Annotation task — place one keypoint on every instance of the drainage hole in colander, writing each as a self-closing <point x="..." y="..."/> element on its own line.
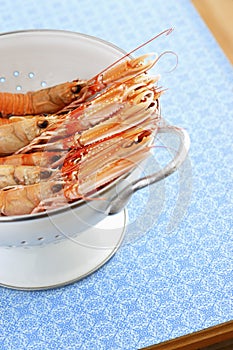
<point x="57" y="236"/>
<point x="16" y="73"/>
<point x="23" y="242"/>
<point x="40" y="238"/>
<point x="31" y="75"/>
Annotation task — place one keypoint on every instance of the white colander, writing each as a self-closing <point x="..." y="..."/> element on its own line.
<point x="52" y="249"/>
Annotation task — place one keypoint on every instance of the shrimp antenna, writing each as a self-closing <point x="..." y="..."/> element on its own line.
<point x="167" y="53"/>
<point x="166" y="32"/>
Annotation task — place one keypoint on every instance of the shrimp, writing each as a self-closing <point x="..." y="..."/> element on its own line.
<point x="119" y="71"/>
<point x="21" y="200"/>
<point x="60" y="97"/>
<point x="67" y="96"/>
<point x="48" y="100"/>
<point x="11" y="175"/>
<point x="16" y="135"/>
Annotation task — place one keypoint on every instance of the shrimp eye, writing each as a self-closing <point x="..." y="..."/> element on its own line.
<point x="55" y="158"/>
<point x="56" y="188"/>
<point x="45" y="174"/>
<point x="151" y="105"/>
<point x="77" y="88"/>
<point x="43" y="124"/>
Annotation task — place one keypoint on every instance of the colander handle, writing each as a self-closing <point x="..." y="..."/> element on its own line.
<point x="119" y="201"/>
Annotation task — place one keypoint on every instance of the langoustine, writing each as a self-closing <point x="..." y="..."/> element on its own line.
<point x="48" y="100"/>
<point x="56" y="98"/>
<point x="20" y="133"/>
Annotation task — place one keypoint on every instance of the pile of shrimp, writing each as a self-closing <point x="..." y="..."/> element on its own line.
<point x="65" y="142"/>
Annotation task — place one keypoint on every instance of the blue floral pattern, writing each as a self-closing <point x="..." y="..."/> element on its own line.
<point x="174" y="272"/>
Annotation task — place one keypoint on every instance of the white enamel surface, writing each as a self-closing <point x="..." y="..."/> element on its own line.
<point x="53" y="265"/>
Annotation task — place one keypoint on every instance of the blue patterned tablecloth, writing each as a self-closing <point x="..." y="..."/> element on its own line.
<point x="174" y="273"/>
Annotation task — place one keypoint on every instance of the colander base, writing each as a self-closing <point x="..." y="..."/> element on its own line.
<point x="65" y="262"/>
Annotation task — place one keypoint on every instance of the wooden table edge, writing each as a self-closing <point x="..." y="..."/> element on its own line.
<point x="197" y="340"/>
